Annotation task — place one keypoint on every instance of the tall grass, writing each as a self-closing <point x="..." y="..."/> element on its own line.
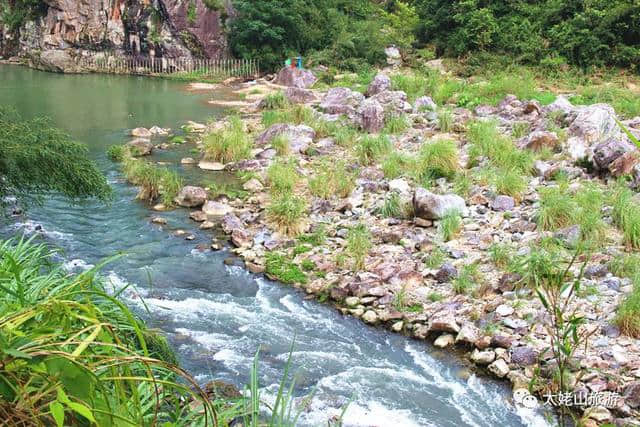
<point x="626" y="214"/>
<point x="288" y="214"/>
<point x="438" y="159"/>
<point x="156" y="183"/>
<point x="331" y="178"/>
<point x="282" y="177"/>
<point x="371" y="148"/>
<point x="231" y="144"/>
<point x="358" y="245"/>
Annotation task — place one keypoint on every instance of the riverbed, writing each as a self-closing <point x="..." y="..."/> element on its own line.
<point x="217" y="316"/>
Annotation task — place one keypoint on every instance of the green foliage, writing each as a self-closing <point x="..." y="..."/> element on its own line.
<point x="117" y="153"/>
<point x="358" y="245"/>
<point x="232" y="190"/>
<point x="156" y="183"/>
<point x="231" y="144"/>
<point x="510" y="182"/>
<point x="282" y="145"/>
<point x="626" y="215"/>
<point x="282" y="176"/>
<point x="288" y="214"/>
<point x="72" y="354"/>
<point x="283" y="269"/>
<point x="435" y="259"/>
<point x="392" y="207"/>
<point x="467" y="279"/>
<point x="331" y="178"/>
<point x="274" y="101"/>
<point x="445" y="120"/>
<point x="371" y="148"/>
<point x="438" y="159"/>
<point x="395" y="165"/>
<point x="395" y="124"/>
<point x="628" y="314"/>
<point x="501" y="254"/>
<point x="315" y="238"/>
<point x="36" y="158"/>
<point x="450" y="225"/>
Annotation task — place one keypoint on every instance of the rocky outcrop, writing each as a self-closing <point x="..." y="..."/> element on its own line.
<point x="295" y="77"/>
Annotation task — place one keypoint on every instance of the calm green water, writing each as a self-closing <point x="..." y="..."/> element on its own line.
<point x="217" y="316"/>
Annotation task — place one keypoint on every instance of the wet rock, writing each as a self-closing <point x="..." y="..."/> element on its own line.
<point x="159" y="220"/>
<point x="140" y="147"/>
<point x="216" y="209"/>
<point x="538" y="140"/>
<point x="191" y="197"/>
<point x="446" y="273"/>
<point x="499" y="368"/>
<point x="218" y="389"/>
<point x="296" y="95"/>
<point x="370" y="317"/>
<point x="380" y="83"/>
<point x="444" y="340"/>
<point x="444" y="321"/>
<point x="524" y="356"/>
<point x="371" y="116"/>
<point x="207" y="225"/>
<point x="503" y="203"/>
<point x="341" y="100"/>
<point x="188" y="161"/>
<point x="295" y="77"/>
<point x="198" y="216"/>
<point x="483" y="357"/>
<point x="211" y="166"/>
<point x="156" y="130"/>
<point x="241" y="238"/>
<point x="424" y="103"/>
<point x="428" y="205"/>
<point x="397" y="326"/>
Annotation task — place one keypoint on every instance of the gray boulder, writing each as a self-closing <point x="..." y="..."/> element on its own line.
<point x="393" y="55"/>
<point x="607" y="152"/>
<point x="295" y="77"/>
<point x="341" y="100"/>
<point x="380" y="83"/>
<point x="424" y="103"/>
<point x="595" y="123"/>
<point x="371" y="116"/>
<point x="191" y="197"/>
<point x="296" y="95"/>
<point x="393" y="101"/>
<point x="503" y="203"/>
<point x="140" y="147"/>
<point x="538" y="140"/>
<point x="300" y="136"/>
<point x="428" y="205"/>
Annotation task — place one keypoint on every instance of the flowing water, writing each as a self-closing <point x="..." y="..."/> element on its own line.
<point x="217" y="316"/>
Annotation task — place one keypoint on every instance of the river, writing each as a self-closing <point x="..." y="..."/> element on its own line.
<point x="216" y="316"/>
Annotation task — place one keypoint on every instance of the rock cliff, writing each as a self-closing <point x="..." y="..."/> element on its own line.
<point x="57" y="32"/>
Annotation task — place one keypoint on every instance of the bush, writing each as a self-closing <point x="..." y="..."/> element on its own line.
<point x="628" y="314"/>
<point x="229" y="145"/>
<point x="392" y="207"/>
<point x="274" y="101"/>
<point x="155" y="183"/>
<point x="331" y="179"/>
<point x="395" y="165"/>
<point x="395" y="124"/>
<point x="283" y="269"/>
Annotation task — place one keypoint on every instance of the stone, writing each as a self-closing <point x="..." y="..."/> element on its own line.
<point x="300" y="136"/>
<point x="595" y="123"/>
<point x="524" y="356"/>
<point x="424" y="103"/>
<point x="370" y="317"/>
<point x="296" y="95"/>
<point x="468" y="334"/>
<point x="399" y="185"/>
<point x="499" y="368"/>
<point x="141" y="133"/>
<point x="625" y="164"/>
<point x="393" y="102"/>
<point x="241" y="238"/>
<point x="444" y="321"/>
<point x="210" y="166"/>
<point x="428" y="205"/>
<point x="191" y="197"/>
<point x="159" y="220"/>
<point x="397" y="326"/>
<point x="140" y="147"/>
<point x="446" y="273"/>
<point x="503" y="203"/>
<point x="501" y="341"/>
<point x="483" y="357"/>
<point x="207" y="225"/>
<point x="393" y="55"/>
<point x="569" y="236"/>
<point x="561" y="104"/>
<point x="254" y="185"/>
<point x="380" y="83"/>
<point x="507" y="282"/>
<point x="341" y="100"/>
<point x="371" y="116"/>
<point x="504" y="310"/>
<point x="156" y="130"/>
<point x="231" y="222"/>
<point x="295" y="77"/>
<point x="58" y="61"/>
<point x="598" y="413"/>
<point x="188" y="161"/>
<point x="198" y="216"/>
<point x="216" y="209"/>
<point x="352" y="301"/>
<point x="538" y="140"/>
<point x="444" y="340"/>
<point x="608" y="151"/>
<point x="631" y="394"/>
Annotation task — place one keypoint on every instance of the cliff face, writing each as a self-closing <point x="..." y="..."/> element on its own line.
<point x="68" y="29"/>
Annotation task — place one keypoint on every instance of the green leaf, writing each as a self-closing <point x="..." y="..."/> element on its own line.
<point x="543" y="300"/>
<point x="82" y="410"/>
<point x="57" y="411"/>
<point x="17" y="354"/>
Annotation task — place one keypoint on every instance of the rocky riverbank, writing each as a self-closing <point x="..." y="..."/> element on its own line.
<point x="439" y="251"/>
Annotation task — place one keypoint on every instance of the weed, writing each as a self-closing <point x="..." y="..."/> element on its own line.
<point x="331" y="178"/>
<point x="395" y="125"/>
<point x="435" y="296"/>
<point x="467" y="279"/>
<point x="438" y="159"/>
<point x="274" y="101"/>
<point x="462" y="184"/>
<point x="626" y="215"/>
<point x="282" y="177"/>
<point x="288" y="214"/>
<point x="557" y="208"/>
<point x="628" y="313"/>
<point x="400" y="300"/>
<point x="445" y="120"/>
<point x="435" y="259"/>
<point x="511" y="183"/>
<point x="395" y="165"/>
<point x="371" y="148"/>
<point x="315" y="238"/>
<point x="501" y="254"/>
<point x="282" y="145"/>
<point x="308" y="265"/>
<point x="520" y="129"/>
<point x="358" y="245"/>
<point x="228" y="145"/>
<point x="392" y="207"/>
<point x="117" y="153"/>
<point x="450" y="225"/>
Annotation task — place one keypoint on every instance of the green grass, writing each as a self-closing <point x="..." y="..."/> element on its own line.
<point x="358" y="245"/>
<point x="371" y="148"/>
<point x="274" y="101"/>
<point x="437" y="159"/>
<point x="510" y="182"/>
<point x="345" y="136"/>
<point x="331" y="178"/>
<point x="557" y="208"/>
<point x="487" y="141"/>
<point x="288" y="214"/>
<point x="628" y="313"/>
<point x="626" y="215"/>
<point x="392" y="207"/>
<point x="445" y="120"/>
<point x="450" y="225"/>
<point x="283" y="269"/>
<point x="462" y="184"/>
<point x="316" y="238"/>
<point x="396" y="124"/>
<point x="435" y="259"/>
<point x="229" y="145"/>
<point x="625" y="102"/>
<point x="232" y="190"/>
<point x="520" y="129"/>
<point x="156" y="183"/>
<point x="117" y="153"/>
<point x="626" y="265"/>
<point x="467" y="279"/>
<point x="282" y="145"/>
<point x="74" y="354"/>
<point x="282" y="177"/>
<point x="435" y="297"/>
<point x="395" y="165"/>
<point x="501" y="254"/>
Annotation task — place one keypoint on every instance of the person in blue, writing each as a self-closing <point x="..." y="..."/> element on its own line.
<point x="299" y="58"/>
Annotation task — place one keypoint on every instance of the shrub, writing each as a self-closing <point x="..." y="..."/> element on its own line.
<point x="435" y="259"/>
<point x="117" y="153"/>
<point x="229" y="145"/>
<point x="345" y="136"/>
<point x="438" y="159"/>
<point x="557" y="209"/>
<point x="462" y="184"/>
<point x="395" y="165"/>
<point x="467" y="279"/>
<point x="358" y="245"/>
<point x="450" y="225"/>
<point x="282" y="177"/>
<point x="371" y="148"/>
<point x="626" y="215"/>
<point x="511" y="183"/>
<point x="628" y="313"/>
<point x="288" y="214"/>
<point x="281" y="144"/>
<point x="154" y="182"/>
<point x="315" y="238"/>
<point x="501" y="254"/>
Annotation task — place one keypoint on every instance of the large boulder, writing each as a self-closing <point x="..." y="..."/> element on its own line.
<point x="561" y="104"/>
<point x="428" y="205"/>
<point x="595" y="123"/>
<point x="444" y="321"/>
<point x="538" y="140"/>
<point x="393" y="101"/>
<point x="341" y="100"/>
<point x="300" y="137"/>
<point x="608" y="152"/>
<point x="380" y="83"/>
<point x="140" y="147"/>
<point x="394" y="57"/>
<point x="295" y="77"/>
<point x="296" y="95"/>
<point x="191" y="196"/>
<point x="424" y="103"/>
<point x="59" y="61"/>
<point x="371" y="116"/>
<point x="216" y="209"/>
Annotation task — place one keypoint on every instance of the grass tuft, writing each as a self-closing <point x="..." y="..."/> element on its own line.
<point x="231" y="144"/>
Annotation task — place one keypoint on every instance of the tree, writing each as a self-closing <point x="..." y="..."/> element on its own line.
<point x="36" y="158"/>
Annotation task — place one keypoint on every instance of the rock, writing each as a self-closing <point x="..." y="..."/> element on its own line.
<point x="188" y="161"/>
<point x="608" y="151"/>
<point x="424" y="103"/>
<point x="598" y="413"/>
<point x="218" y="389"/>
<point x="444" y="321"/>
<point x="538" y="140"/>
<point x="444" y="340"/>
<point x="380" y="83"/>
<point x="341" y="100"/>
<point x="194" y="127"/>
<point x="198" y="216"/>
<point x="300" y="136"/>
<point x="561" y="104"/>
<point x="625" y="164"/>
<point x="446" y="273"/>
<point x="524" y="356"/>
<point x="231" y="222"/>
<point x="58" y="61"/>
<point x="507" y="282"/>
<point x="295" y="77"/>
<point x="400" y="185"/>
<point x="159" y="220"/>
<point x="503" y="203"/>
<point x="504" y="310"/>
<point x="216" y="209"/>
<point x="428" y="205"/>
<point x="397" y="326"/>
<point x="499" y="368"/>
<point x="155" y="130"/>
<point x="352" y="301"/>
<point x="254" y="185"/>
<point x="542" y="168"/>
<point x="394" y="102"/>
<point x="631" y="394"/>
<point x="207" y="225"/>
<point x="140" y="147"/>
<point x="501" y="341"/>
<point x="191" y="197"/>
<point x="241" y="238"/>
<point x="483" y="357"/>
<point x="296" y="95"/>
<point x="596" y="271"/>
<point x="141" y="133"/>
<point x="393" y="55"/>
<point x="468" y="334"/>
<point x="371" y="116"/>
<point x="210" y="166"/>
<point x="370" y="317"/>
<point x="595" y="123"/>
<point x="569" y="236"/>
